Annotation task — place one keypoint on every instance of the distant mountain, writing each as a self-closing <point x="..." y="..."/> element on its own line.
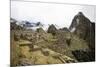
<point x="31" y="24"/>
<point x="26" y="24"/>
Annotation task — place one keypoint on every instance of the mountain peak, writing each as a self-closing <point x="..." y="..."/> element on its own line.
<point x="78" y="20"/>
<point x="79" y="14"/>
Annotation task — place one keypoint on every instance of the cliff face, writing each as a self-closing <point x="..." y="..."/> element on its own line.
<point x="80" y="25"/>
<point x="84" y="29"/>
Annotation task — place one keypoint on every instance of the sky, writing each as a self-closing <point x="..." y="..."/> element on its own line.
<point x="50" y="13"/>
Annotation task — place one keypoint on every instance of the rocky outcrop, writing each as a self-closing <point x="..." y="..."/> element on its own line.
<point x="84" y="55"/>
<point x="14" y="26"/>
<point x="82" y="26"/>
<point x="85" y="29"/>
<point x="52" y="29"/>
<point x="64" y="29"/>
<point x="40" y="30"/>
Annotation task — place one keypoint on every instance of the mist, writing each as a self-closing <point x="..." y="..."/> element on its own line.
<point x="50" y="13"/>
